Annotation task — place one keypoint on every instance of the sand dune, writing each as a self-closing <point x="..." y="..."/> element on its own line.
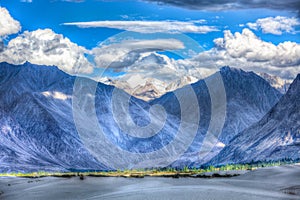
<point x="267" y="183"/>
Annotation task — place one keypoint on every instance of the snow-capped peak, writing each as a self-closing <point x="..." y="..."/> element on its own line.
<point x="280" y="84"/>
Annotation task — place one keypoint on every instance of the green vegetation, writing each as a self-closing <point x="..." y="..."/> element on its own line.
<point x="155" y="172"/>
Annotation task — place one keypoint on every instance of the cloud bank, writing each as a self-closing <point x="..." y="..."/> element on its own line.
<point x="44" y="47"/>
<point x="141" y="58"/>
<point x="241" y="50"/>
<point x="148" y="26"/>
<point x="245" y="50"/>
<point x="8" y="25"/>
<point x="275" y="25"/>
<point x="216" y="5"/>
<point x="127" y="52"/>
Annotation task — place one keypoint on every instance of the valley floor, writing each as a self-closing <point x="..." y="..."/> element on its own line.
<point x="282" y="182"/>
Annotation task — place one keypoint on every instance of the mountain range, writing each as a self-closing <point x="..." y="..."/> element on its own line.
<point x="149" y="89"/>
<point x="38" y="131"/>
<point x="276" y="136"/>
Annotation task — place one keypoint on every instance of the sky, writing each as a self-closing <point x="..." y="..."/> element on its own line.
<point x="165" y="40"/>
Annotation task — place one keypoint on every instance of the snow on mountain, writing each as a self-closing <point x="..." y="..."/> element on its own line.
<point x="280" y="84"/>
<point x="147" y="88"/>
<point x="276" y="136"/>
<point x="36" y="106"/>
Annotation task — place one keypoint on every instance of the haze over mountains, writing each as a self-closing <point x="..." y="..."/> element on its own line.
<point x="37" y="130"/>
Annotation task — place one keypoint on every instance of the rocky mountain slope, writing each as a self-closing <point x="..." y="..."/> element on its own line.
<point x="276" y="136"/>
<point x="248" y="98"/>
<point x="38" y="130"/>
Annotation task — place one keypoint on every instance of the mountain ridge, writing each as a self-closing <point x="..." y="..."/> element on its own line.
<point x="44" y="95"/>
<point x="275" y="136"/>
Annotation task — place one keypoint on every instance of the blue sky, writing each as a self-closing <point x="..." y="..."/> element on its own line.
<point x="51" y="14"/>
<point x="54" y="14"/>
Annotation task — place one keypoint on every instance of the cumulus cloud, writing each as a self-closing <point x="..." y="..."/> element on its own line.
<point x="149" y="26"/>
<point x="160" y="71"/>
<point x="233" y="4"/>
<point x="245" y="50"/>
<point x="275" y="25"/>
<point x="141" y="62"/>
<point x="165" y="69"/>
<point x="126" y="53"/>
<point x="44" y="47"/>
<point x="156" y="66"/>
<point x="241" y="50"/>
<point x="8" y="25"/>
<point x="140" y="58"/>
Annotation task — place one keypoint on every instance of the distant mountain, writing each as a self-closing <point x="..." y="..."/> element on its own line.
<point x="248" y="98"/>
<point x="276" y="82"/>
<point x="147" y="88"/>
<point x="38" y="131"/>
<point x="276" y="136"/>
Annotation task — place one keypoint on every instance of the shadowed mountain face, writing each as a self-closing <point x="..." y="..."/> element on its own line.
<point x="37" y="129"/>
<point x="248" y="98"/>
<point x="276" y="136"/>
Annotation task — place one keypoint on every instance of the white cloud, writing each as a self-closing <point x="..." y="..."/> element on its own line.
<point x="275" y="25"/>
<point x="153" y="74"/>
<point x="7" y="24"/>
<point x="44" y="47"/>
<point x="165" y="69"/>
<point x="141" y="63"/>
<point x="149" y="26"/>
<point x="245" y="50"/>
<point x="139" y="58"/>
<point x="26" y="1"/>
<point x="154" y="65"/>
<point x="241" y="50"/>
<point x="145" y="69"/>
<point x="127" y="52"/>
